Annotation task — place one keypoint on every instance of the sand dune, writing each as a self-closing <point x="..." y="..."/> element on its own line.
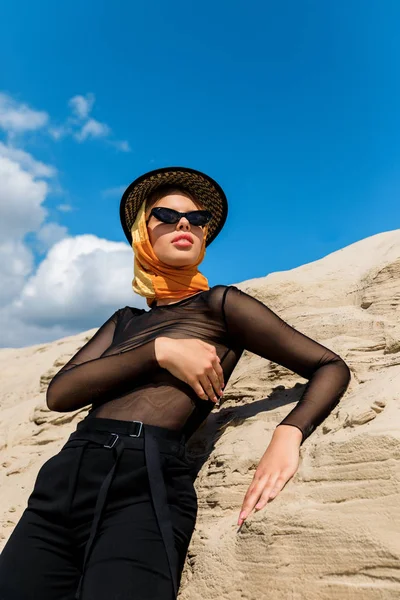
<point x="333" y="532"/>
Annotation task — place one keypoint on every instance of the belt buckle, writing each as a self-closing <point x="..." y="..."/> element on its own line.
<point x="140" y="429"/>
<point x="114" y="441"/>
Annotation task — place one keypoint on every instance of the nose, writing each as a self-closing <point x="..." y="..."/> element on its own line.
<point x="183" y="224"/>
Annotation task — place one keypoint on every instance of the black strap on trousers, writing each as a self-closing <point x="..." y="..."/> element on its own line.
<point x="89" y="432"/>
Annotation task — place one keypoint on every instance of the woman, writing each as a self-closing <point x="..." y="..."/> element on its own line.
<point x="112" y="514"/>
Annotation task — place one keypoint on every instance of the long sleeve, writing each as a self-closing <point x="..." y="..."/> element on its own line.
<point x="256" y="328"/>
<point x="88" y="377"/>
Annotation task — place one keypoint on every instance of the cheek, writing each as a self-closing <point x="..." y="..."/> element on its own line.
<point x="157" y="239"/>
<point x="153" y="235"/>
<point x="199" y="239"/>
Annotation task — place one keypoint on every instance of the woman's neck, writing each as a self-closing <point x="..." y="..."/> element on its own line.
<point x="165" y="301"/>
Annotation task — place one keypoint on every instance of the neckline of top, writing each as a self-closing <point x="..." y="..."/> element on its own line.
<point x="177" y="303"/>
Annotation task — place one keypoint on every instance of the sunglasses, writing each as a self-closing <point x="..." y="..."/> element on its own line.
<point x="169" y="215"/>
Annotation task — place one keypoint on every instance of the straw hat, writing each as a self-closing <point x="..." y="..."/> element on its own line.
<point x="203" y="188"/>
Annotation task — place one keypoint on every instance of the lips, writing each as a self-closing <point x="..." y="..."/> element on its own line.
<point x="183" y="236"/>
<point x="182" y="244"/>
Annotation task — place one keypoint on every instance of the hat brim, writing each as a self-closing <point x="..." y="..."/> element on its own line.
<point x="203" y="187"/>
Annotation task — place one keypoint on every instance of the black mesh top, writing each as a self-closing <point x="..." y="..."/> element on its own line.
<point x="118" y="373"/>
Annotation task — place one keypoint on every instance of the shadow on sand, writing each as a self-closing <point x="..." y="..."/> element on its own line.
<point x="202" y="443"/>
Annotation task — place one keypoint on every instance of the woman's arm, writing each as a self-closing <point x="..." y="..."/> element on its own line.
<point x="89" y="378"/>
<point x="253" y="326"/>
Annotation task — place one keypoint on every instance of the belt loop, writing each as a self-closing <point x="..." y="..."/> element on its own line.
<point x="111" y="442"/>
<point x="140" y="429"/>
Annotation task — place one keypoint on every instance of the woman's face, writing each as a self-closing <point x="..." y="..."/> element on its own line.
<point x="161" y="235"/>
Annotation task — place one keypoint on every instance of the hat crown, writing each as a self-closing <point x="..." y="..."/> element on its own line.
<point x="203" y="187"/>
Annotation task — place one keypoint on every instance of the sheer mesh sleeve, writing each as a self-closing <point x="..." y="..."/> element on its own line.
<point x="256" y="328"/>
<point x="88" y="377"/>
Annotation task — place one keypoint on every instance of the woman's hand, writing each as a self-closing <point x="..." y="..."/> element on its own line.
<point x="278" y="464"/>
<point x="193" y="361"/>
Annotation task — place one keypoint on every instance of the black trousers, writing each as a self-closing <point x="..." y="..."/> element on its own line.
<point x="110" y="518"/>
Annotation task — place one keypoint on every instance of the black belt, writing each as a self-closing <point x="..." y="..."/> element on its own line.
<point x="91" y="430"/>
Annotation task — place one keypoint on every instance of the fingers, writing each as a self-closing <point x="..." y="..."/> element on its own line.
<point x="272" y="488"/>
<point x="208" y="388"/>
<point x="260" y="492"/>
<point x="199" y="390"/>
<point x="215" y="374"/>
<point x="250" y="499"/>
<point x="209" y="382"/>
<point x="212" y="378"/>
<point x="214" y="371"/>
<point x="219" y="373"/>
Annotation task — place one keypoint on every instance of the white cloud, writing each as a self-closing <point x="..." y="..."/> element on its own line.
<point x="82" y="105"/>
<point x="65" y="207"/>
<point x="16" y="117"/>
<point x="121" y="145"/>
<point x="21" y="199"/>
<point x="49" y="234"/>
<point x="21" y="212"/>
<point x="26" y="161"/>
<point x="14" y="333"/>
<point x="58" y="132"/>
<point x="16" y="263"/>
<point x="81" y="282"/>
<point x="92" y="129"/>
<point x="23" y="192"/>
<point x="82" y="279"/>
<point x="82" y="126"/>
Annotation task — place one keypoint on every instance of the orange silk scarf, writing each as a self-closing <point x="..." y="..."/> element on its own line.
<point x="153" y="278"/>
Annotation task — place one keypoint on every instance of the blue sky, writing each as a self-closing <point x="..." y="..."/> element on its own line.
<point x="293" y="107"/>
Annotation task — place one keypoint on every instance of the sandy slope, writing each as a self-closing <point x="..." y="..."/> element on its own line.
<point x="333" y="532"/>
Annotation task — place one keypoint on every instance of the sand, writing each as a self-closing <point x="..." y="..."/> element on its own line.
<point x="333" y="532"/>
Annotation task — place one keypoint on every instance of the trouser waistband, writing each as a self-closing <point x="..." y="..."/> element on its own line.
<point x="131" y="428"/>
<point x="115" y="435"/>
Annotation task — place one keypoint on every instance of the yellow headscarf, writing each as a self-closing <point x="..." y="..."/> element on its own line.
<point x="155" y="279"/>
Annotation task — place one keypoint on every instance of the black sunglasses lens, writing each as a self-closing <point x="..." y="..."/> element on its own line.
<point x="166" y="215"/>
<point x="169" y="215"/>
<point x="199" y="217"/>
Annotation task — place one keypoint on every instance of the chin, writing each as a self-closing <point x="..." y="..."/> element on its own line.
<point x="178" y="260"/>
<point x="183" y="261"/>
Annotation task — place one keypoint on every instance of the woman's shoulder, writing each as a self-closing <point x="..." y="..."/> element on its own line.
<point x="126" y="313"/>
<point x="220" y="290"/>
<point x="217" y="295"/>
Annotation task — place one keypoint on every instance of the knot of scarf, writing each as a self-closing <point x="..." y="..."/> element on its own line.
<point x="153" y="278"/>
